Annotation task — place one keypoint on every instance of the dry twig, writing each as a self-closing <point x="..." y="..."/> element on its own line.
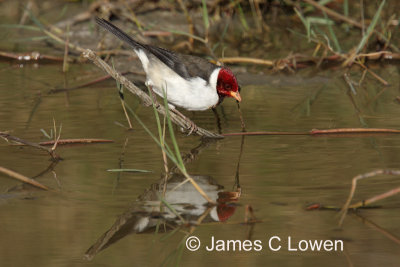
<point x="35" y="145"/>
<point x="346" y="206"/>
<point x="22" y="178"/>
<point x="185" y="123"/>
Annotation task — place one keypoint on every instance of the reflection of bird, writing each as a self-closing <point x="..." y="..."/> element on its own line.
<point x="189" y="82"/>
<point x="187" y="204"/>
<point x="186" y="201"/>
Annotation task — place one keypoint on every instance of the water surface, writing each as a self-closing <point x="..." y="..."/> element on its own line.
<point x="279" y="175"/>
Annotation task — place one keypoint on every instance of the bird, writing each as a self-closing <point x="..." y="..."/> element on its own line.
<point x="189" y="82"/>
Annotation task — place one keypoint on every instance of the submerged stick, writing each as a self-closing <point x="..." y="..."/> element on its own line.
<point x="35" y="145"/>
<point x="378" y="228"/>
<point x="354" y="131"/>
<point x="265" y="133"/>
<point x="375" y="198"/>
<point x="346" y="206"/>
<point x="75" y="141"/>
<point x="22" y="178"/>
<point x="175" y="118"/>
<point x="316" y="132"/>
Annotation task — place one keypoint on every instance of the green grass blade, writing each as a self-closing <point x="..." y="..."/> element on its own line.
<point x="205" y="15"/>
<point x="34" y="19"/>
<point x="171" y="156"/>
<point x="17" y="26"/>
<point x="324" y="2"/>
<point x="305" y="22"/>
<point x="32" y="39"/>
<point x="158" y="122"/>
<point x="222" y="36"/>
<point x="168" y="235"/>
<point x="63" y="12"/>
<point x="333" y="36"/>
<point x="46" y="134"/>
<point x="172" y="209"/>
<point x="346" y="8"/>
<point x="371" y="27"/>
<point x="179" y="253"/>
<point x="242" y="17"/>
<point x="186" y="34"/>
<point x="172" y="135"/>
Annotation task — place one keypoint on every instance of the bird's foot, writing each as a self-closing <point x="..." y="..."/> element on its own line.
<point x="193" y="127"/>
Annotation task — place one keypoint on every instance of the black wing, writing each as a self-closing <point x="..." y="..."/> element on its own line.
<point x="184" y="65"/>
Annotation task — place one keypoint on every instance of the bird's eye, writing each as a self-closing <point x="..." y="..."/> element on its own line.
<point x="228" y="86"/>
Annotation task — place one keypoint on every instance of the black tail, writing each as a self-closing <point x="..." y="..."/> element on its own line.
<point x="119" y="33"/>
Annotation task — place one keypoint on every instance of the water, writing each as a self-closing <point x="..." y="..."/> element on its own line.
<point x="279" y="175"/>
<point x="93" y="217"/>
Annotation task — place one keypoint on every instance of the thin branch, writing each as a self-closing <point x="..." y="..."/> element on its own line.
<point x="346" y="206"/>
<point x="35" y="145"/>
<point x="22" y="178"/>
<point x="185" y="123"/>
<point x="316" y="132"/>
<point x="334" y="14"/>
<point x="375" y="198"/>
<point x="293" y="61"/>
<point x="75" y="141"/>
<point x="250" y="60"/>
<point x="354" y="131"/>
<point x="376" y="76"/>
<point x="378" y="228"/>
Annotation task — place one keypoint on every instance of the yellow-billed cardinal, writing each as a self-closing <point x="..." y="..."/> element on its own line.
<point x="189" y="82"/>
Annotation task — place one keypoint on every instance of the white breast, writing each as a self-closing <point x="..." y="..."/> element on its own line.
<point x="193" y="94"/>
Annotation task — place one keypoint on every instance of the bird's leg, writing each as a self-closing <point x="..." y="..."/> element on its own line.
<point x="193" y="126"/>
<point x="218" y="120"/>
<point x="241" y="117"/>
<point x="152" y="94"/>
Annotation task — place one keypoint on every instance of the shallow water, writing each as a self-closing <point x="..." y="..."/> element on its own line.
<point x="279" y="175"/>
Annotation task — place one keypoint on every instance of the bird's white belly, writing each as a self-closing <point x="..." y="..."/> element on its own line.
<point x="192" y="94"/>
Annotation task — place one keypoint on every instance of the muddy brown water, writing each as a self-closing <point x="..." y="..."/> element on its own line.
<point x="279" y="175"/>
<point x="94" y="217"/>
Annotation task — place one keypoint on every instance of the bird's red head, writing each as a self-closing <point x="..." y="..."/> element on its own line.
<point x="227" y="84"/>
